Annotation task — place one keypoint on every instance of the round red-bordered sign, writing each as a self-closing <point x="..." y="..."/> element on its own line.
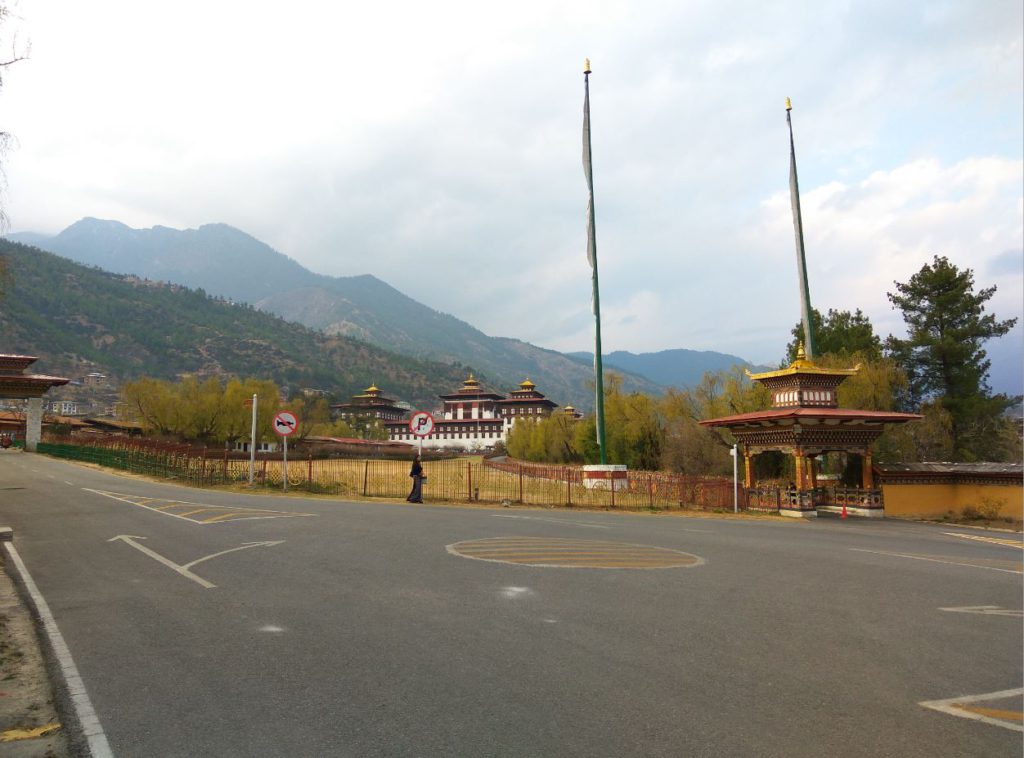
<point x="285" y="423"/>
<point x="421" y="424"/>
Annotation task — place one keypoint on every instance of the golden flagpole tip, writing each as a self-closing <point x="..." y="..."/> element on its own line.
<point x="586" y="65"/>
<point x="789" y="104"/>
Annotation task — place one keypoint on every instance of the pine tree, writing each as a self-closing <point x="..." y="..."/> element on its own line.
<point x="943" y="355"/>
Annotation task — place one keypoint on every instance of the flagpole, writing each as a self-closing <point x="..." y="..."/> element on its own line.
<point x="592" y="257"/>
<point x="798" y="228"/>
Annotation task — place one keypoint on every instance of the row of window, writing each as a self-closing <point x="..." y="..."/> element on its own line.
<point x="809" y="396"/>
<point x="450" y="436"/>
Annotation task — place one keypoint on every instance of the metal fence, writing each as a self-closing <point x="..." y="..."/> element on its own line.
<point x="453" y="480"/>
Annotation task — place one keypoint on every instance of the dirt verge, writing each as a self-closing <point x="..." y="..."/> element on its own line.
<point x="29" y="724"/>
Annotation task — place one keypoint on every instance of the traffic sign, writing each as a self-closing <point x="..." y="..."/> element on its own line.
<point x="421" y="424"/>
<point x="285" y="423"/>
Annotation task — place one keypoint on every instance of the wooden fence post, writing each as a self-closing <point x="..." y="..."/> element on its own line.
<point x="263" y="473"/>
<point x="366" y="476"/>
<point x="520" y="482"/>
<point x="309" y="476"/>
<point x="568" y="488"/>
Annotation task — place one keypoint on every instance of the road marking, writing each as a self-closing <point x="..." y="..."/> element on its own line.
<point x="186" y="510"/>
<point x="946" y="559"/>
<point x="130" y="539"/>
<point x="957" y="706"/>
<point x="552" y="552"/>
<point x="1005" y="542"/>
<point x="555" y="521"/>
<point x="184" y="569"/>
<point x="15" y="735"/>
<point x="89" y="722"/>
<point x="986" y="610"/>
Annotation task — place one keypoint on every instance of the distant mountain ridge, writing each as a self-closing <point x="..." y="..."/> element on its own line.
<point x="670" y="368"/>
<point x="224" y="261"/>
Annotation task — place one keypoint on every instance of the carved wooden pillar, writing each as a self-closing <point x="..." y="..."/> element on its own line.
<point x="748" y="469"/>
<point x="798" y="459"/>
<point x="865" y="464"/>
<point x="812" y="472"/>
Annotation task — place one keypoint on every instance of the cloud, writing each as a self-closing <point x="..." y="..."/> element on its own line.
<point x="438" y="147"/>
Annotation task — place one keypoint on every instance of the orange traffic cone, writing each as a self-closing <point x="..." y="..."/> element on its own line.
<point x="844" y="511"/>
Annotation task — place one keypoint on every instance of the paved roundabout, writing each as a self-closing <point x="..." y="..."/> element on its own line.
<point x="572" y="553"/>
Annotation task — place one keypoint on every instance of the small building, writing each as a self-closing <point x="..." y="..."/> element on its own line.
<point x="805" y="421"/>
<point x="475" y="418"/>
<point x="15" y="383"/>
<point x="371" y="404"/>
<point x="525" y="402"/>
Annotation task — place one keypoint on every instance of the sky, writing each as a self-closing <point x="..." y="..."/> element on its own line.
<point x="437" y="146"/>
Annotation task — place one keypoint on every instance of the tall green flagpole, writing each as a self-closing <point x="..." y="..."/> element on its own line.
<point x="592" y="258"/>
<point x="798" y="228"/>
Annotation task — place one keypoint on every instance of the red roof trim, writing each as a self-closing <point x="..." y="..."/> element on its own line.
<point x="812" y="413"/>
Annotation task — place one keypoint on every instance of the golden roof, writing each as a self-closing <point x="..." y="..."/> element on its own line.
<point x="803" y="366"/>
<point x="527" y="385"/>
<point x="372" y="388"/>
<point x="471" y="381"/>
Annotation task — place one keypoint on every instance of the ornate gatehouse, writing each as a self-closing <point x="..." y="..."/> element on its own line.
<point x="805" y="421"/>
<point x="15" y="383"/>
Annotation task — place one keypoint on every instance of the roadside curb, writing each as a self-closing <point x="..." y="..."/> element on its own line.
<point x="81" y="725"/>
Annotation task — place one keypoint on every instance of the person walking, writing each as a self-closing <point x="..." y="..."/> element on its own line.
<point x="416" y="496"/>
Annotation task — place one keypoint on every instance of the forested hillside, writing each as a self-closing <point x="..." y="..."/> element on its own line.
<point x="227" y="262"/>
<point x="80" y="319"/>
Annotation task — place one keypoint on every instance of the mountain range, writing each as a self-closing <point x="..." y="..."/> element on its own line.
<point x="80" y="319"/>
<point x="223" y="261"/>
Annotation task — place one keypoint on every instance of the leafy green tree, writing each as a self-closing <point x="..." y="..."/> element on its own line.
<point x="943" y="355"/>
<point x="839" y="333"/>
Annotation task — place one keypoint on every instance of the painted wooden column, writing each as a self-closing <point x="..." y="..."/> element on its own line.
<point x="812" y="472"/>
<point x="866" y="476"/>
<point x="748" y="469"/>
<point x="33" y="423"/>
<point x="798" y="459"/>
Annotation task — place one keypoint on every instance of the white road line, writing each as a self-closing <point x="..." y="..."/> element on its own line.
<point x="86" y="714"/>
<point x="986" y="610"/>
<point x="935" y="560"/>
<point x="69" y="483"/>
<point x="987" y="539"/>
<point x="246" y="546"/>
<point x="949" y="705"/>
<point x="555" y="521"/>
<point x="130" y="539"/>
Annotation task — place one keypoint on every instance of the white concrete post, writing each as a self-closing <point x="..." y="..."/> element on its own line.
<point x="33" y="423"/>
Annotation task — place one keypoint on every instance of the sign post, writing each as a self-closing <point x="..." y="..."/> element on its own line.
<point x="252" y="442"/>
<point x="285" y="424"/>
<point x="734" y="452"/>
<point x="421" y="424"/>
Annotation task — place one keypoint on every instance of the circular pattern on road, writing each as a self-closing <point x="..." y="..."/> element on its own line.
<point x="554" y="552"/>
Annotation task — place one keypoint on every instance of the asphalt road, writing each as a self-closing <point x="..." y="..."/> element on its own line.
<point x="249" y="625"/>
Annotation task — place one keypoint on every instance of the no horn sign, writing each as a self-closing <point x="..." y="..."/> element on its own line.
<point x="285" y="423"/>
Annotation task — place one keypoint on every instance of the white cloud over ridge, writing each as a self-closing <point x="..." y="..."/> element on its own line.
<point x="432" y="144"/>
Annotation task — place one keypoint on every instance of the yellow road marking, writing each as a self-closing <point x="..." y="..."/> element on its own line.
<point x="14" y="735"/>
<point x="170" y="508"/>
<point x="995" y="713"/>
<point x="570" y="553"/>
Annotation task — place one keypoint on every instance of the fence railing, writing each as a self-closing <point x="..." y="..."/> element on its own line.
<point x="462" y="480"/>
